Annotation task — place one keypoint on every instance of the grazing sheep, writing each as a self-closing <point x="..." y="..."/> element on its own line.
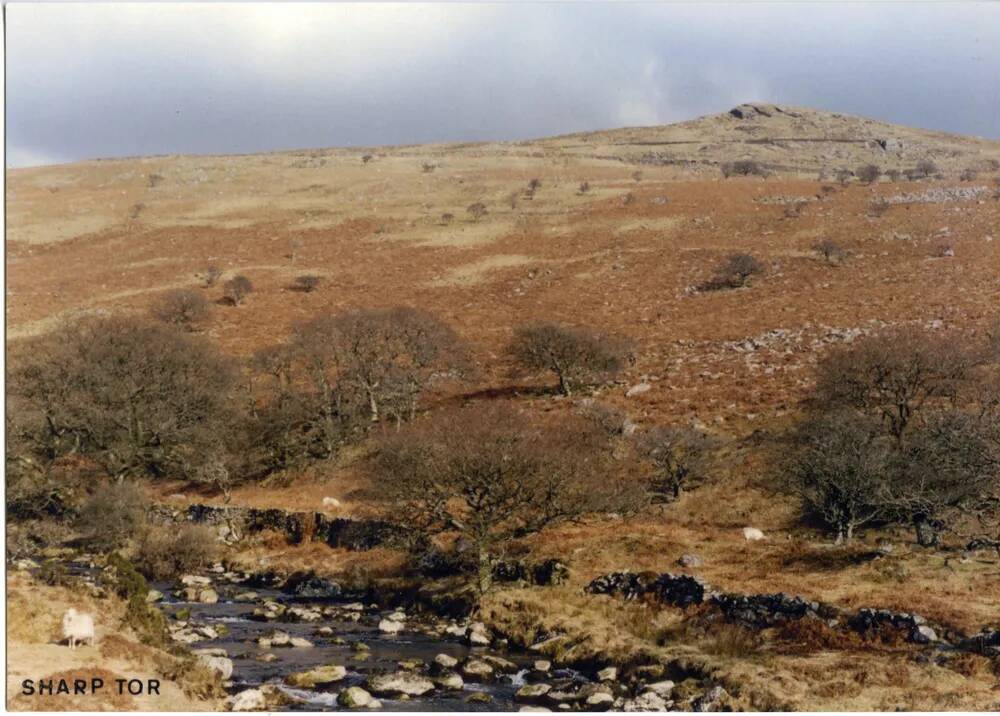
<point x="752" y="534"/>
<point x="331" y="502"/>
<point x="77" y="627"/>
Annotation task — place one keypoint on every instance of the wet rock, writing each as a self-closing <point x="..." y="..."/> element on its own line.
<point x="531" y="693"/>
<point x="535" y="709"/>
<point x="192" y="580"/>
<point x="325" y="631"/>
<point x="249" y="700"/>
<point x="923" y="634"/>
<point x="309" y="586"/>
<point x="478" y="697"/>
<point x="316" y="677"/>
<point x="542" y="665"/>
<point x="504" y="666"/>
<point x="411" y="664"/>
<point x="267" y="657"/>
<point x="607" y="674"/>
<point x="445" y="661"/>
<point x="690" y="561"/>
<point x="245" y="597"/>
<point x="449" y="681"/>
<point x="153" y="595"/>
<point x="599" y="701"/>
<point x="300" y="643"/>
<point x="477" y="669"/>
<point x="399" y="683"/>
<point x="478" y="635"/>
<point x="354" y="697"/>
<point x="207" y="596"/>
<point x="278" y="638"/>
<point x="387" y="626"/>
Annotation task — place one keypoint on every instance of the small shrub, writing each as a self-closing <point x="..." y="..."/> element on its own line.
<point x="533" y="186"/>
<point x="843" y="176"/>
<point x="968" y="175"/>
<point x="237" y="289"/>
<point x="53" y="573"/>
<point x="366" y="158"/>
<point x="637" y="176"/>
<point x="926" y="168"/>
<point x="154" y="180"/>
<point x="877" y="207"/>
<point x="830" y="250"/>
<point x="306" y="284"/>
<point x="428" y="168"/>
<point x="893" y="174"/>
<point x="584" y="187"/>
<point x="211" y="275"/>
<point x="447" y="218"/>
<point x="166" y="552"/>
<point x="734" y="272"/>
<point x="135" y="210"/>
<point x="181" y="307"/>
<point x="744" y="168"/>
<point x="477" y="210"/>
<point x="112" y="515"/>
<point x="868" y="173"/>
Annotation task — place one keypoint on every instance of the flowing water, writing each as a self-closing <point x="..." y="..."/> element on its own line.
<point x="385" y="651"/>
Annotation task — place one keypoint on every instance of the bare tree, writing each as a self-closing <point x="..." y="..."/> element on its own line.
<point x="840" y="469"/>
<point x="679" y="457"/>
<point x="237" y="288"/>
<point x="948" y="464"/>
<point x="896" y="373"/>
<point x="181" y="307"/>
<point x="578" y="356"/>
<point x="477" y="210"/>
<point x="492" y="475"/>
<point x="136" y="398"/>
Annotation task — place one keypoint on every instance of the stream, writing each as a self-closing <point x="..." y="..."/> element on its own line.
<point x="351" y="622"/>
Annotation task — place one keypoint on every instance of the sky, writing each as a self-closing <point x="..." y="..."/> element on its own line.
<point x="89" y="80"/>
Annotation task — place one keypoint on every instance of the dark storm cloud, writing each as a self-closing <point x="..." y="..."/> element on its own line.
<point x="91" y="80"/>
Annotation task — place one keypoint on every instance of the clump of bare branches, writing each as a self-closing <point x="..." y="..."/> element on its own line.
<point x="577" y="356"/>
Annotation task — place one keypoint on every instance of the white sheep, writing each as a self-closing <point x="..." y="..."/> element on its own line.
<point x="752" y="534"/>
<point x="77" y="627"/>
<point x="331" y="502"/>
